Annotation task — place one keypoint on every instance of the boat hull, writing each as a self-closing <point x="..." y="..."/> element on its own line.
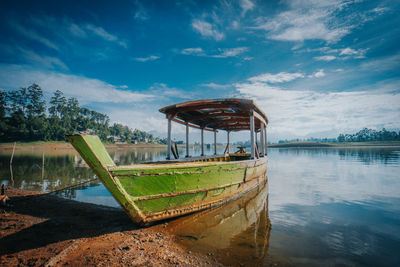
<point x="157" y="191"/>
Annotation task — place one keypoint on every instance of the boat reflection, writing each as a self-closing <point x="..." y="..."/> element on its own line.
<point x="236" y="233"/>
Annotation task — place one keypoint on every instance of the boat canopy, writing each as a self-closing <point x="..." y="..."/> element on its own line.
<point x="229" y="114"/>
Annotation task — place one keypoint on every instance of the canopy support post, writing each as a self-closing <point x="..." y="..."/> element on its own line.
<point x="187" y="140"/>
<point x="215" y="142"/>
<point x="169" y="139"/>
<point x="202" y="141"/>
<point x="266" y="143"/>
<point x="228" y="145"/>
<point x="262" y="140"/>
<point x="253" y="153"/>
<point x="255" y="138"/>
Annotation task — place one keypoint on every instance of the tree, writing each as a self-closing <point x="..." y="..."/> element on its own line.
<point x="58" y="103"/>
<point x="3" y="110"/>
<point x="36" y="123"/>
<point x="23" y="117"/>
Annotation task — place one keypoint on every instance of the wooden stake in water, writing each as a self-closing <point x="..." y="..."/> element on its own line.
<point x="42" y="165"/>
<point x="11" y="171"/>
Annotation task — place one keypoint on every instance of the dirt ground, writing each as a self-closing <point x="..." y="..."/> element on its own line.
<point x="43" y="230"/>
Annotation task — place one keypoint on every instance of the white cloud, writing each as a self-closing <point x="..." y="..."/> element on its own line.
<point x="76" y="30"/>
<point x="207" y="29"/>
<point x="86" y="90"/>
<point x="32" y="34"/>
<point x="246" y="5"/>
<point x="140" y="13"/>
<point x="276" y="78"/>
<point x="325" y="58"/>
<point x="343" y="54"/>
<point x="140" y="117"/>
<point x="162" y="90"/>
<point x="305" y="21"/>
<point x="145" y="59"/>
<point x="303" y="112"/>
<point x="22" y="54"/>
<point x="360" y="53"/>
<point x="380" y="10"/>
<point x="193" y="51"/>
<point x="100" y="32"/>
<point x="66" y="28"/>
<point x="222" y="52"/>
<point x="40" y="61"/>
<point x="216" y="86"/>
<point x="383" y="64"/>
<point x="230" y="52"/>
<point x="348" y="51"/>
<point x="318" y="74"/>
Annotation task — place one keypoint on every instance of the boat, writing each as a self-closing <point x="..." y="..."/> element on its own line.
<point x="176" y="186"/>
<point x="237" y="233"/>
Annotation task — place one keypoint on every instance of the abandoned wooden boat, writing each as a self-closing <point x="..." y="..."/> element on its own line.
<point x="159" y="190"/>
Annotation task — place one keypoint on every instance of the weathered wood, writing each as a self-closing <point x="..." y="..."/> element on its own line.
<point x="228" y="147"/>
<point x="169" y="139"/>
<point x="202" y="142"/>
<point x="219" y="114"/>
<point x="193" y="125"/>
<point x="252" y="136"/>
<point x="262" y="152"/>
<point x="259" y="117"/>
<point x="187" y="140"/>
<point x="160" y="190"/>
<point x="215" y="142"/>
<point x="216" y="113"/>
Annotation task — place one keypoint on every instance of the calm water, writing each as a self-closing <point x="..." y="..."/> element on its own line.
<point x="321" y="207"/>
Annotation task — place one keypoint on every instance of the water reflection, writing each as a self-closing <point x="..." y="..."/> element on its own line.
<point x="236" y="233"/>
<point x="335" y="206"/>
<point x="328" y="206"/>
<point x="49" y="170"/>
<point x="41" y="171"/>
<point x="366" y="155"/>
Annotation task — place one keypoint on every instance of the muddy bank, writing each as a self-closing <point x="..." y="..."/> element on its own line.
<point x="39" y="229"/>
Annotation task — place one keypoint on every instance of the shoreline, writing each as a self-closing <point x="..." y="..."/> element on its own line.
<point x="60" y="145"/>
<point x="39" y="229"/>
<point x="336" y="145"/>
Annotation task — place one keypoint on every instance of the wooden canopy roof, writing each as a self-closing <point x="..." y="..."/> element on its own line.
<point x="230" y="114"/>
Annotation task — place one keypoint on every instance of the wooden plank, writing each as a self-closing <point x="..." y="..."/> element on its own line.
<point x="193" y="125"/>
<point x="259" y="117"/>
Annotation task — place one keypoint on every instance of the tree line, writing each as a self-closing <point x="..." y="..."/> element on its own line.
<point x="364" y="135"/>
<point x="25" y="116"/>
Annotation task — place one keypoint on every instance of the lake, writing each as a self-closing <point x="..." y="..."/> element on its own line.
<point x="321" y="206"/>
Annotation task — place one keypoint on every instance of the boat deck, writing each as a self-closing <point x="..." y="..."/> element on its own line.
<point x="184" y="162"/>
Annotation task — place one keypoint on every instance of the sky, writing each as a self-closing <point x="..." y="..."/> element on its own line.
<point x="317" y="68"/>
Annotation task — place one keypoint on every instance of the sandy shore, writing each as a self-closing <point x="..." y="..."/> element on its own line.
<point x="39" y="229"/>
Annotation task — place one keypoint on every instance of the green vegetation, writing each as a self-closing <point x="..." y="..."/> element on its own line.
<point x="24" y="116"/>
<point x="365" y="135"/>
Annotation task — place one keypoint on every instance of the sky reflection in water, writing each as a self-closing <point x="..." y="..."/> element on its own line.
<point x="325" y="206"/>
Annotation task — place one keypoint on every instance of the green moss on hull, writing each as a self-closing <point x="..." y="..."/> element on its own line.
<point x="160" y="184"/>
<point x="152" y="192"/>
<point x="96" y="156"/>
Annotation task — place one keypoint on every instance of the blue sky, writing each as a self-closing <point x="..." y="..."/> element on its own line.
<point x="317" y="68"/>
